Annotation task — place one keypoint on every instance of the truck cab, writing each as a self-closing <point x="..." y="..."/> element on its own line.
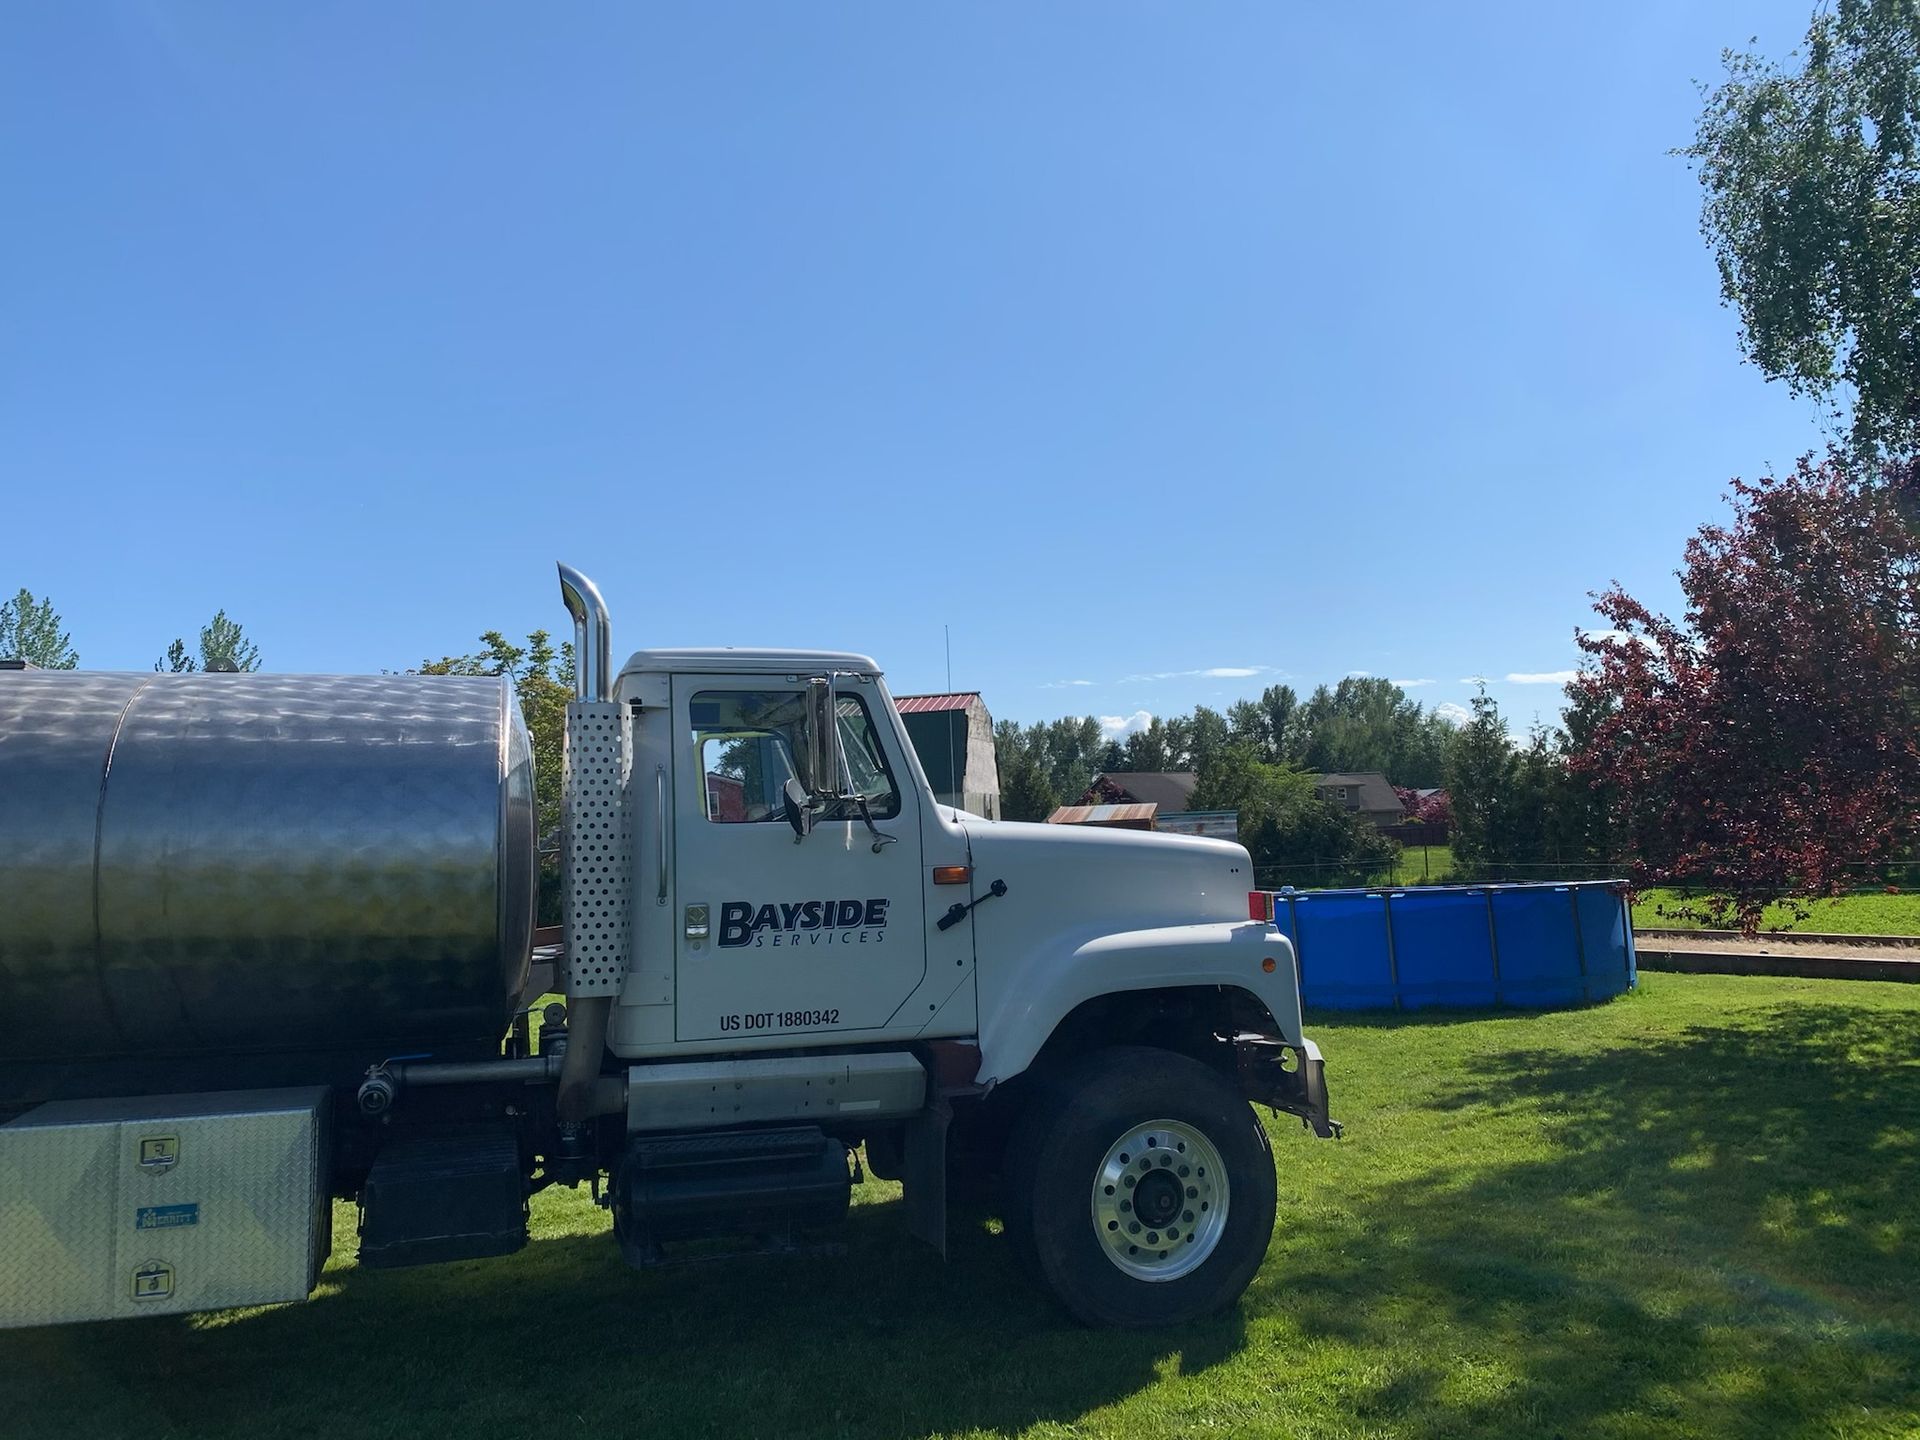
<point x="947" y="989"/>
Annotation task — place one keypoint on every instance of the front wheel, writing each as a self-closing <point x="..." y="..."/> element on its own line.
<point x="1141" y="1188"/>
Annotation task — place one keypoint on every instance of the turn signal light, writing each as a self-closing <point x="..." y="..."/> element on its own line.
<point x="1260" y="905"/>
<point x="952" y="874"/>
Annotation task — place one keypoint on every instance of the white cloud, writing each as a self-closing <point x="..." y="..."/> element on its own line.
<point x="1063" y="684"/>
<point x="1540" y="677"/>
<point x="1452" y="713"/>
<point x="1358" y="674"/>
<point x="1215" y="672"/>
<point x="1118" y="727"/>
<point x="1414" y="684"/>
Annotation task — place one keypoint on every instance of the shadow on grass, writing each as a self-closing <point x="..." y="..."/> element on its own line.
<point x="1719" y="1237"/>
<point x="881" y="1341"/>
<point x="1715" y="1234"/>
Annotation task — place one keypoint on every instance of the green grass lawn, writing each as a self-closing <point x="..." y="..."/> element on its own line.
<point x="1848" y="915"/>
<point x="1692" y="1211"/>
<point x="1421" y="865"/>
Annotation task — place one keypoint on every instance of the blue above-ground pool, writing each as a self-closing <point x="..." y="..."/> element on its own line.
<point x="1533" y="946"/>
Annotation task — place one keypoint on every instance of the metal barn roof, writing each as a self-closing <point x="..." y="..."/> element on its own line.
<point x="925" y="704"/>
<point x="1132" y="815"/>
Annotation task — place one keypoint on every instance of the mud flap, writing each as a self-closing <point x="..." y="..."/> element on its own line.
<point x="925" y="1174"/>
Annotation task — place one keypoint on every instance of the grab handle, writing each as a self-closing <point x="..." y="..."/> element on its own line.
<point x="660" y="833"/>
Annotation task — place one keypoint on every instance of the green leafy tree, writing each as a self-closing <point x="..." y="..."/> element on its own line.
<point x="1522" y="812"/>
<point x="1071" y="751"/>
<point x="1247" y="725"/>
<point x="1155" y="747"/>
<point x="1209" y="735"/>
<point x="223" y="647"/>
<point x="1480" y="782"/>
<point x="30" y="631"/>
<point x="1368" y="723"/>
<point x="1811" y="202"/>
<point x="1284" y="738"/>
<point x="1293" y="835"/>
<point x="1026" y="793"/>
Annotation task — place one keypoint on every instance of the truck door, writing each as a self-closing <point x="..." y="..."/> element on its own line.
<point x="778" y="936"/>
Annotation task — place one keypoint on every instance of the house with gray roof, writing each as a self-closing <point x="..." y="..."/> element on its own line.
<point x="1367" y="791"/>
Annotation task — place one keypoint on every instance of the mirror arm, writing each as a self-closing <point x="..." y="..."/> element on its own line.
<point x="866" y="813"/>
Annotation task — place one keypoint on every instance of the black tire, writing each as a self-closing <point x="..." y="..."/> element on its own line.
<point x="1056" y="1152"/>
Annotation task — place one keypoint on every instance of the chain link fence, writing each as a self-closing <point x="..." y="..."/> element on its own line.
<point x="1436" y="865"/>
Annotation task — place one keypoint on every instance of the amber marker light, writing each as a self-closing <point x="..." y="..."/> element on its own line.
<point x="952" y="874"/>
<point x="1268" y="965"/>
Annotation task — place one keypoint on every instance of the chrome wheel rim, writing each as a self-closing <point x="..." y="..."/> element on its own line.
<point x="1160" y="1200"/>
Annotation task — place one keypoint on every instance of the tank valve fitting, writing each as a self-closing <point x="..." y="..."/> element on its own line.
<point x="378" y="1091"/>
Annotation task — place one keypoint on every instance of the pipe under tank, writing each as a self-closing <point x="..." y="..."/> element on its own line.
<point x="218" y="863"/>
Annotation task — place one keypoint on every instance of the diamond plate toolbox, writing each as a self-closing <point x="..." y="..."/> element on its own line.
<point x="162" y="1205"/>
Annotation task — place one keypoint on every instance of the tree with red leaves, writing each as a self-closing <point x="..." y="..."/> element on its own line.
<point x="1433" y="808"/>
<point x="1769" y="740"/>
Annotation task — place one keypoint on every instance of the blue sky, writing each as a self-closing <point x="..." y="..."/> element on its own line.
<point x="1169" y="349"/>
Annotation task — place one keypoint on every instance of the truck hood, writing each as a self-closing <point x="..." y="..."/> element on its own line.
<point x="1081" y="879"/>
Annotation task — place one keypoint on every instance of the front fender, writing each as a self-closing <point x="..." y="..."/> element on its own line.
<point x="1036" y="993"/>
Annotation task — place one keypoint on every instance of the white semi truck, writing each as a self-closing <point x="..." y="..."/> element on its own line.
<point x="269" y="940"/>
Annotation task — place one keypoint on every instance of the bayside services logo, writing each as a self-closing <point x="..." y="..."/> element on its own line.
<point x="804" y="922"/>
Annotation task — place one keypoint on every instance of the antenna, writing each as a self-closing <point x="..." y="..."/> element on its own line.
<point x="953" y="762"/>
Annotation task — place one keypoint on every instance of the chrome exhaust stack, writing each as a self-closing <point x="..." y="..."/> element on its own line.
<point x="596" y="848"/>
<point x="592" y="635"/>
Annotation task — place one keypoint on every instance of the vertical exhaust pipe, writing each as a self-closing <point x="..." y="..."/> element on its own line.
<point x="588" y="1013"/>
<point x="592" y="635"/>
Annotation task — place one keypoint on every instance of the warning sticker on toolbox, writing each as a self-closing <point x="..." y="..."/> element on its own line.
<point x="165" y="1217"/>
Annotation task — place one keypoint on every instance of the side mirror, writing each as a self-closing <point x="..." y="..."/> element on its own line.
<point x="823" y="738"/>
<point x="799" y="808"/>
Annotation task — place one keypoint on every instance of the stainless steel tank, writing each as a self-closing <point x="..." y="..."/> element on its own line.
<point x="206" y="864"/>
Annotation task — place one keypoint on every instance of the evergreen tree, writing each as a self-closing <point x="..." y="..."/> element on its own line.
<point x="30" y="631"/>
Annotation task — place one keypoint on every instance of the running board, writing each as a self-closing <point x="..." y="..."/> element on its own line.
<point x="817" y="1089"/>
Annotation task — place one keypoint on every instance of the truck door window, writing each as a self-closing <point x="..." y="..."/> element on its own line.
<point x="749" y="743"/>
<point x="866" y="759"/>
